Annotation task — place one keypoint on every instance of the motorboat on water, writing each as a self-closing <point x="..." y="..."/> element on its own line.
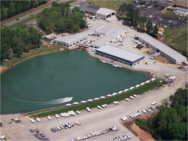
<point x="67" y="99"/>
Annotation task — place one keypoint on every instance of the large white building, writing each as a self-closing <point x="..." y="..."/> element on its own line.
<point x="70" y="41"/>
<point x="164" y="50"/>
<point x="120" y="55"/>
<point x="108" y="34"/>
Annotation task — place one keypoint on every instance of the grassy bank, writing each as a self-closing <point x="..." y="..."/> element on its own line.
<point x="176" y="38"/>
<point x="40" y="51"/>
<point x="108" y="100"/>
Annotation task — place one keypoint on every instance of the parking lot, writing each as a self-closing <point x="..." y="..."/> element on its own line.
<point x="151" y="10"/>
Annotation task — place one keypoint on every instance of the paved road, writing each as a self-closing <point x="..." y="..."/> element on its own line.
<point x="35" y="13"/>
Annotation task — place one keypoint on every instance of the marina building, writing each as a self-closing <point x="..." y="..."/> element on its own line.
<point x="107" y="35"/>
<point x="69" y="41"/>
<point x="163" y="49"/>
<point x="105" y="13"/>
<point x="120" y="55"/>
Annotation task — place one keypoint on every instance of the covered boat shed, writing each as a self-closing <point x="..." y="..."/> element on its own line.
<point x="120" y="55"/>
<point x="105" y="13"/>
<point x="164" y="50"/>
<point x="70" y="40"/>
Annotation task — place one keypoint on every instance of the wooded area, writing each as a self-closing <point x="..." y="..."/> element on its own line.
<point x="11" y="8"/>
<point x="14" y="41"/>
<point x="60" y="18"/>
<point x="171" y="122"/>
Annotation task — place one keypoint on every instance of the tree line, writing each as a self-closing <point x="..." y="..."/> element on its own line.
<point x="132" y="16"/>
<point x="60" y="18"/>
<point x="11" y="8"/>
<point x="14" y="41"/>
<point x="171" y="121"/>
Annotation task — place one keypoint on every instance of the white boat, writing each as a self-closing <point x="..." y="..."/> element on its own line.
<point x="115" y="65"/>
<point x="67" y="99"/>
<point x="104" y="61"/>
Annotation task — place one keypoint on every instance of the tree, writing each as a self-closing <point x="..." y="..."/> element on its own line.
<point x="142" y="21"/>
<point x="149" y="26"/>
<point x="135" y="17"/>
<point x="18" y="48"/>
<point x="11" y="8"/>
<point x="4" y="51"/>
<point x="155" y="30"/>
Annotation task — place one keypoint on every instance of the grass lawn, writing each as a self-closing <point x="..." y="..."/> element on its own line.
<point x="40" y="51"/>
<point x="177" y="38"/>
<point x="111" y="4"/>
<point x="108" y="100"/>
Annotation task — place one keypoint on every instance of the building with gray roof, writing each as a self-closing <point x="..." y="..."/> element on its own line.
<point x="164" y="50"/>
<point x="69" y="41"/>
<point x="105" y="13"/>
<point x="120" y="55"/>
<point x="104" y="30"/>
<point x="89" y="8"/>
<point x="108" y="34"/>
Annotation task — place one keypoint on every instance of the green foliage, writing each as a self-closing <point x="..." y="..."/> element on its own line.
<point x="132" y="15"/>
<point x="11" y="8"/>
<point x="18" y="39"/>
<point x="149" y="26"/>
<point x="60" y="18"/>
<point x="170" y="123"/>
<point x="155" y="30"/>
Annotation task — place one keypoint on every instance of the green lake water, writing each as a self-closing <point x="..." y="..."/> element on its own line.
<point x="41" y="82"/>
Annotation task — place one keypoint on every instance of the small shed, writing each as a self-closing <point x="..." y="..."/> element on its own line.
<point x="50" y="37"/>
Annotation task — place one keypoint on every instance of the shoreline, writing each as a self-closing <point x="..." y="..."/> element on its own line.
<point x="7" y="66"/>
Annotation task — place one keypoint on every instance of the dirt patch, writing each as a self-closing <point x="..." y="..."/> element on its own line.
<point x="141" y="133"/>
<point x="137" y="131"/>
<point x="128" y="125"/>
<point x="162" y="59"/>
<point x="2" y="69"/>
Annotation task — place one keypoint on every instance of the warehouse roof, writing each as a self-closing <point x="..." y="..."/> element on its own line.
<point x="105" y="11"/>
<point x="110" y="36"/>
<point x="162" y="47"/>
<point x="183" y="4"/>
<point x="71" y="39"/>
<point x="120" y="53"/>
<point x="105" y="29"/>
<point x="91" y="8"/>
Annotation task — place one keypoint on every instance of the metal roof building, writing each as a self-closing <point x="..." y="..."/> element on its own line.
<point x="165" y="50"/>
<point x="104" y="30"/>
<point x="105" y="13"/>
<point x="108" y="33"/>
<point x="89" y="8"/>
<point x="69" y="41"/>
<point x="120" y="55"/>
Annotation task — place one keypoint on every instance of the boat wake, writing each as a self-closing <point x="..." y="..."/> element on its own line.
<point x="56" y="101"/>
